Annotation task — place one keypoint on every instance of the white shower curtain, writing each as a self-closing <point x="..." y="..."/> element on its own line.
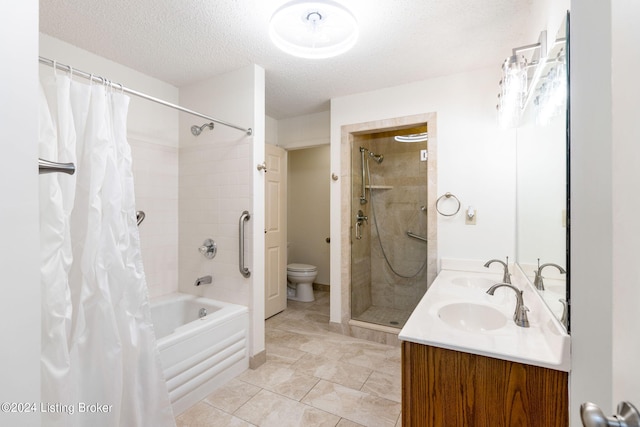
<point x="100" y="364"/>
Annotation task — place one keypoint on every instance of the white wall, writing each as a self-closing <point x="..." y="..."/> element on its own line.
<point x="308" y="181"/>
<point x="591" y="207"/>
<point x="605" y="288"/>
<point x="305" y="131"/>
<point x="476" y="161"/>
<point x="271" y="131"/>
<point x="312" y="132"/>
<point x="19" y="260"/>
<point x="626" y="227"/>
<point x="152" y="131"/>
<point x="218" y="181"/>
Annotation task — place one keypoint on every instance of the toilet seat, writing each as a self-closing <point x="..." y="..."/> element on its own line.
<point x="301" y="268"/>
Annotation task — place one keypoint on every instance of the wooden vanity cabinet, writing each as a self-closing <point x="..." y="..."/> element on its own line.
<point x="443" y="387"/>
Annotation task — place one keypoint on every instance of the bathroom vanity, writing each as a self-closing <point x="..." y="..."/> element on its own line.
<point x="466" y="363"/>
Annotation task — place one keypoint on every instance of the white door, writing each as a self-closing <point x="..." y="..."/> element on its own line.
<point x="275" y="283"/>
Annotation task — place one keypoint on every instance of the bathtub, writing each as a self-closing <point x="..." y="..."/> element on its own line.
<point x="199" y="354"/>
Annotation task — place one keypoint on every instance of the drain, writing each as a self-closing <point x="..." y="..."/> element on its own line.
<point x="393" y="322"/>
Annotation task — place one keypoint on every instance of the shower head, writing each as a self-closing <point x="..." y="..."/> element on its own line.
<point x="197" y="130"/>
<point x="377" y="157"/>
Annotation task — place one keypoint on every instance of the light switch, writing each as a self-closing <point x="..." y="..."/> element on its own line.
<point x="470" y="216"/>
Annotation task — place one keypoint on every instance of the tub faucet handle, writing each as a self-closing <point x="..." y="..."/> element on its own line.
<point x="208" y="249"/>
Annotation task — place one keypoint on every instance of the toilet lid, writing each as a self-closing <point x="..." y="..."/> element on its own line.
<point x="301" y="267"/>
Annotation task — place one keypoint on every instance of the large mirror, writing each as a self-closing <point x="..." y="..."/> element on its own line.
<point x="542" y="183"/>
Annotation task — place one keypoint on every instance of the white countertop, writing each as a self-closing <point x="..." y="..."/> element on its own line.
<point x="545" y="343"/>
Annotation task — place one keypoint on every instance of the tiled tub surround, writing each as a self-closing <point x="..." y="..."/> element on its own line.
<point x="312" y="377"/>
<point x="544" y="343"/>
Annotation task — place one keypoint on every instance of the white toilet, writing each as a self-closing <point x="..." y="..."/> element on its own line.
<point x="300" y="279"/>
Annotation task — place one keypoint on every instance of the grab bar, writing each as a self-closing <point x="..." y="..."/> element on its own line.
<point x="415" y="236"/>
<point x="47" y="166"/>
<point x="363" y="194"/>
<point x="140" y="216"/>
<point x="243" y="218"/>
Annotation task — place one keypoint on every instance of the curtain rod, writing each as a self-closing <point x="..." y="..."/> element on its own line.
<point x="125" y="89"/>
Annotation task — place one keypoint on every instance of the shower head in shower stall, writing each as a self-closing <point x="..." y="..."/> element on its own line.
<point x="377" y="157"/>
<point x="197" y="130"/>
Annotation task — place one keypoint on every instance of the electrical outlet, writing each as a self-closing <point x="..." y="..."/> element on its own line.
<point x="471" y="220"/>
<point x="423" y="155"/>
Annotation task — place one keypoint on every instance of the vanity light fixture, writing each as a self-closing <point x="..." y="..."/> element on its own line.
<point x="519" y="77"/>
<point x="313" y="29"/>
<point x="551" y="96"/>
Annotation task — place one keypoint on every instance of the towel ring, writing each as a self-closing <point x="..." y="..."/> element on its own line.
<point x="447" y="195"/>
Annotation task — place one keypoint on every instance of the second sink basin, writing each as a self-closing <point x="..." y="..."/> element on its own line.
<point x="472" y="317"/>
<point x="474" y="282"/>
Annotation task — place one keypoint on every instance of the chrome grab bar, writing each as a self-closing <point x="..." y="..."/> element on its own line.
<point x="363" y="194"/>
<point x="47" y="166"/>
<point x="243" y="218"/>
<point x="415" y="236"/>
<point x="140" y="216"/>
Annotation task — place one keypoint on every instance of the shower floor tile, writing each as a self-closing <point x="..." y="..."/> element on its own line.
<point x="385" y="316"/>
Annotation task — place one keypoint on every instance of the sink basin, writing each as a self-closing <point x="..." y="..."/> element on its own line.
<point x="474" y="282"/>
<point x="472" y="317"/>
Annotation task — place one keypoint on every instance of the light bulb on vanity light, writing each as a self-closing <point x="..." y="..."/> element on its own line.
<point x="513" y="90"/>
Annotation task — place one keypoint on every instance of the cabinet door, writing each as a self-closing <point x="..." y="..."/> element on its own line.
<point x="449" y="388"/>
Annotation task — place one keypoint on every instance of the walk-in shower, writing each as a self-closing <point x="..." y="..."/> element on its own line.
<point x="389" y="222"/>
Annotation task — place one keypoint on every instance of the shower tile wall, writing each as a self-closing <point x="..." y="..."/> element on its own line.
<point x="215" y="186"/>
<point x="397" y="210"/>
<point x="360" y="249"/>
<point x="155" y="170"/>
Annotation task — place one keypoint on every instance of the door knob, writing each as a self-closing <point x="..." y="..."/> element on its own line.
<point x="592" y="416"/>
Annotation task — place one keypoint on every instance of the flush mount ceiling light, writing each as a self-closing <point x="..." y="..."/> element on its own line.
<point x="313" y="29"/>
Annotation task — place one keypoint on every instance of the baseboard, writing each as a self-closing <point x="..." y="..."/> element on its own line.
<point x="258" y="360"/>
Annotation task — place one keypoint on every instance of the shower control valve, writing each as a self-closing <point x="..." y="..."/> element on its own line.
<point x="208" y="249"/>
<point x="360" y="216"/>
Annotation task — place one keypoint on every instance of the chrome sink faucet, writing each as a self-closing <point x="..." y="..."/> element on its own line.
<point x="506" y="276"/>
<point x="538" y="281"/>
<point x="520" y="315"/>
<point x="204" y="280"/>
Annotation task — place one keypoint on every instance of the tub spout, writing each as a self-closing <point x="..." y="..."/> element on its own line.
<point x="204" y="280"/>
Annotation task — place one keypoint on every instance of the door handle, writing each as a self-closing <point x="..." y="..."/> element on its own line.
<point x="592" y="416"/>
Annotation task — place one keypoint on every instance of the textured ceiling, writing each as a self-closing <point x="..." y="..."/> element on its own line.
<point x="185" y="41"/>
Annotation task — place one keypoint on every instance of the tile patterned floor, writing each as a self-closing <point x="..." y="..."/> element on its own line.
<point x="312" y="377"/>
